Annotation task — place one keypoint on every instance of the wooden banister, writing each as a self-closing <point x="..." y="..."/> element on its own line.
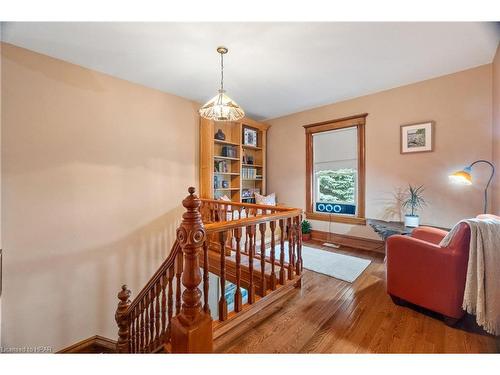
<point x="247" y="205"/>
<point x="172" y="312"/>
<point x="169" y="262"/>
<point x="256" y="220"/>
<point x="144" y="323"/>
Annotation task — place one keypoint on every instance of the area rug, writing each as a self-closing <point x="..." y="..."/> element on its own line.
<point x="339" y="266"/>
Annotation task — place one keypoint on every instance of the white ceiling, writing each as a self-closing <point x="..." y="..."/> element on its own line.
<point x="272" y="69"/>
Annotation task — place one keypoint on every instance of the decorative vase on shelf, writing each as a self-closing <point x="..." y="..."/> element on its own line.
<point x="220" y="135"/>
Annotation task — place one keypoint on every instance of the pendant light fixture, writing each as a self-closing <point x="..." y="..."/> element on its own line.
<point x="221" y="107"/>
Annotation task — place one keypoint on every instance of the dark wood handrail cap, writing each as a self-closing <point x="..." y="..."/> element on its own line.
<point x="191" y="202"/>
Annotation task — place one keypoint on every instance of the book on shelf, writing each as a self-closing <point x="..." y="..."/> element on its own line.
<point x="229" y="151"/>
<point x="221" y="166"/>
<point x="249" y="173"/>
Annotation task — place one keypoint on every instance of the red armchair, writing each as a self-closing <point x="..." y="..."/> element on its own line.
<point x="423" y="273"/>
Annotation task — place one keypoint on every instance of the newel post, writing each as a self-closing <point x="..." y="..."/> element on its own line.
<point x="122" y="345"/>
<point x="192" y="327"/>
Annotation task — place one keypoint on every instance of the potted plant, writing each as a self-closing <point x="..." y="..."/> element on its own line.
<point x="413" y="201"/>
<point x="306" y="230"/>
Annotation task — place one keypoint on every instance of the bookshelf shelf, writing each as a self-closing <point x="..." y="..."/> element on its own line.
<point x="251" y="147"/>
<point x="252" y="165"/>
<point x="221" y="142"/>
<point x="225" y="158"/>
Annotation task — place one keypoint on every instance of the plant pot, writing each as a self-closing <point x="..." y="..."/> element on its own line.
<point x="306" y="236"/>
<point x="412" y="221"/>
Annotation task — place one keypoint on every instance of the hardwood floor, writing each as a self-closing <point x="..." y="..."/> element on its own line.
<point x="332" y="316"/>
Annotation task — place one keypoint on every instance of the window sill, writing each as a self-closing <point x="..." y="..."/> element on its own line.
<point x="336" y="218"/>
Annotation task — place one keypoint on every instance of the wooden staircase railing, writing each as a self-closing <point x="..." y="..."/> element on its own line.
<point x="257" y="248"/>
<point x="145" y="324"/>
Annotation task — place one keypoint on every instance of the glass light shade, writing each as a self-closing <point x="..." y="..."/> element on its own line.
<point x="462" y="177"/>
<point x="221" y="108"/>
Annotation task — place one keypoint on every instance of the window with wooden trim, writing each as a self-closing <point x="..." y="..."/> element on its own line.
<point x="335" y="170"/>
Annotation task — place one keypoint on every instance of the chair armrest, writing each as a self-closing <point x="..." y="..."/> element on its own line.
<point x="429" y="234"/>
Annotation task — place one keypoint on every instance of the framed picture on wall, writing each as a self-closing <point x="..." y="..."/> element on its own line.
<point x="417" y="137"/>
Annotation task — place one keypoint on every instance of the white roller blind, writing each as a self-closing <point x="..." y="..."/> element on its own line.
<point x="335" y="149"/>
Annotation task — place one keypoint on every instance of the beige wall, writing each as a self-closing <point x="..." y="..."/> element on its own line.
<point x="94" y="170"/>
<point x="459" y="103"/>
<point x="496" y="131"/>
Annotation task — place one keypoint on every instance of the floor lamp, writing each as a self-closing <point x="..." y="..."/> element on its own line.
<point x="464" y="177"/>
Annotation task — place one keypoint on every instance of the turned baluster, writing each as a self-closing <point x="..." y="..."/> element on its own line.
<point x="238" y="300"/>
<point x="157" y="313"/>
<point x="251" y="251"/>
<point x="132" y="331"/>
<point x="122" y="320"/>
<point x="146" y="323"/>
<point x="298" y="245"/>
<point x="222" y="278"/>
<point x="170" y="294"/>
<point x="206" y="306"/>
<point x="164" y="306"/>
<point x="245" y="247"/>
<point x="219" y="212"/>
<point x="142" y="328"/>
<point x="272" y="255"/>
<point x="137" y="329"/>
<point x="203" y="212"/>
<point x="224" y="212"/>
<point x="290" y="248"/>
<point x="212" y="214"/>
<point x="262" y="229"/>
<point x="282" y="274"/>
<point x="151" y="320"/>
<point x="191" y="330"/>
<point x="178" y="274"/>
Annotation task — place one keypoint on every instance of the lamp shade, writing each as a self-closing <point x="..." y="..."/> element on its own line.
<point x="221" y="108"/>
<point x="462" y="177"/>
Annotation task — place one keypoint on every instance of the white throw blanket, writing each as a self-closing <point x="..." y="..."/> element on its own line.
<point x="482" y="285"/>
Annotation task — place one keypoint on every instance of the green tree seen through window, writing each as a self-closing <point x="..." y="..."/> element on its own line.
<point x="337" y="186"/>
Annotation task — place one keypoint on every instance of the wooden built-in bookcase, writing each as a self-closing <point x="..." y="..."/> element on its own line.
<point x="230" y="167"/>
